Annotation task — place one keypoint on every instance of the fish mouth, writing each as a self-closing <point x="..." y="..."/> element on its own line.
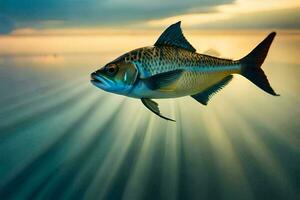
<point x="95" y="78"/>
<point x="99" y="81"/>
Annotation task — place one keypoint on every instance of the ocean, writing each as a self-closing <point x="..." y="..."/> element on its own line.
<point x="62" y="137"/>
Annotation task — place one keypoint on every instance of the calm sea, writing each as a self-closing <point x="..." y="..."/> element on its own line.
<point x="62" y="137"/>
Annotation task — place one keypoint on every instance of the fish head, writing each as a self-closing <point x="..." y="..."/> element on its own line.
<point x="117" y="77"/>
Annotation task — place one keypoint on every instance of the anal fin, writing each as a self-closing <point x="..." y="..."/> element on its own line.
<point x="205" y="96"/>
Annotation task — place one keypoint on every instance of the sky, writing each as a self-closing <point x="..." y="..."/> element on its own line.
<point x="31" y="16"/>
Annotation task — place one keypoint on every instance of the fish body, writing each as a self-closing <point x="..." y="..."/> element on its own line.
<point x="199" y="71"/>
<point x="172" y="68"/>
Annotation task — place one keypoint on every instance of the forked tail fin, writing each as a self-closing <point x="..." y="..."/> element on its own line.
<point x="251" y="65"/>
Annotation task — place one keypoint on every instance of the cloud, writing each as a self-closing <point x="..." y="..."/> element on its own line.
<point x="272" y="19"/>
<point x="6" y="25"/>
<point x="87" y="13"/>
<point x="243" y="14"/>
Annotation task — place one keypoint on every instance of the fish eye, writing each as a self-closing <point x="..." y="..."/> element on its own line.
<point x="112" y="69"/>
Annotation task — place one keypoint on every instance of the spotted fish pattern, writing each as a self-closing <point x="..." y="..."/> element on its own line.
<point x="154" y="60"/>
<point x="200" y="71"/>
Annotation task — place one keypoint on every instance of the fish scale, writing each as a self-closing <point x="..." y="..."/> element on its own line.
<point x="200" y="71"/>
<point x="170" y="58"/>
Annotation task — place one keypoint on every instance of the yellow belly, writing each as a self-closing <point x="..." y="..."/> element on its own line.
<point x="191" y="83"/>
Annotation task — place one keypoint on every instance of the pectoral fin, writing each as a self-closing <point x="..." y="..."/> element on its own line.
<point x="153" y="106"/>
<point x="163" y="79"/>
<point x="205" y="96"/>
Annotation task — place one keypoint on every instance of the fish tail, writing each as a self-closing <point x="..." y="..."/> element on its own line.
<point x="251" y="65"/>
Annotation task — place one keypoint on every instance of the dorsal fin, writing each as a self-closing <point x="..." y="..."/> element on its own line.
<point x="173" y="36"/>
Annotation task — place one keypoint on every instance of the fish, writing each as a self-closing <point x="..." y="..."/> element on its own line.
<point x="172" y="68"/>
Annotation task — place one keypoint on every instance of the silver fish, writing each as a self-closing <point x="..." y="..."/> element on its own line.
<point x="172" y="68"/>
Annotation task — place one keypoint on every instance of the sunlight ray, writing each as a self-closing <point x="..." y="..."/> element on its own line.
<point x="230" y="171"/>
<point x="35" y="134"/>
<point x="124" y="172"/>
<point x="15" y="111"/>
<point x="279" y="131"/>
<point x="170" y="161"/>
<point x="41" y="87"/>
<point x="116" y="155"/>
<point x="85" y="159"/>
<point x="40" y="113"/>
<point x="134" y="190"/>
<point x="268" y="162"/>
<point x="43" y="154"/>
<point x="64" y="146"/>
<point x="22" y="101"/>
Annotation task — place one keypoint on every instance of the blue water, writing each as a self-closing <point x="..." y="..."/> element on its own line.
<point x="62" y="138"/>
